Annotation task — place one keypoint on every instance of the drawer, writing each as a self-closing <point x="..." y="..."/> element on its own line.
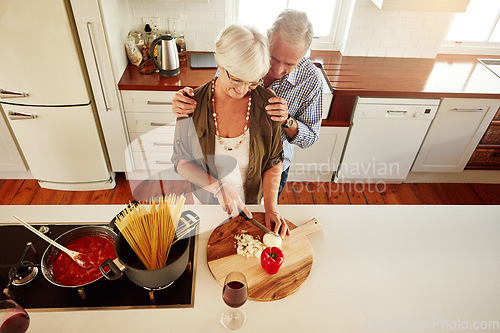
<point x="152" y="141"/>
<point x="485" y="157"/>
<point x="147" y="101"/>
<point x="491" y="136"/>
<point x="148" y="121"/>
<point x="153" y="160"/>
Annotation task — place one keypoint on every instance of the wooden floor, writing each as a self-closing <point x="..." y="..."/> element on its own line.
<point x="28" y="192"/>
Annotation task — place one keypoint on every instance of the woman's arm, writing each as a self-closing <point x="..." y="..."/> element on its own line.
<point x="270" y="185"/>
<point x="228" y="199"/>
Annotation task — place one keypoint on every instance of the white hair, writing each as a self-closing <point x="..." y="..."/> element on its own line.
<point x="244" y="52"/>
<point x="294" y="27"/>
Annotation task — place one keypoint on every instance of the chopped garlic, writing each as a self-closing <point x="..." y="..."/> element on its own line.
<point x="247" y="246"/>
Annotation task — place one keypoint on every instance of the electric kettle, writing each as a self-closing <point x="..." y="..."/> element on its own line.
<point x="168" y="58"/>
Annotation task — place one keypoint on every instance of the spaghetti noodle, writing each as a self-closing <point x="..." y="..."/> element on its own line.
<point x="150" y="229"/>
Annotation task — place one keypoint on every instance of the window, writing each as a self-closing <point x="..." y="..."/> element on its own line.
<point x="325" y="15"/>
<point x="477" y="30"/>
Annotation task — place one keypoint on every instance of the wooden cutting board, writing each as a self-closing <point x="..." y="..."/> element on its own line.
<point x="222" y="258"/>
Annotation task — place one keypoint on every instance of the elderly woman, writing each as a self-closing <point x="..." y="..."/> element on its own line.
<point x="229" y="149"/>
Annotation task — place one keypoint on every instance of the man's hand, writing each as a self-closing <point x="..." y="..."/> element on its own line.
<point x="278" y="109"/>
<point x="183" y="104"/>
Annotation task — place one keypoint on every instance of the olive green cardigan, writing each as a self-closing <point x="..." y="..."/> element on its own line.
<point x="195" y="141"/>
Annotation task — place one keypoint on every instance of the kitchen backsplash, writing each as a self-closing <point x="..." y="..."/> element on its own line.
<point x="373" y="32"/>
<point x="199" y="22"/>
<point x="393" y="33"/>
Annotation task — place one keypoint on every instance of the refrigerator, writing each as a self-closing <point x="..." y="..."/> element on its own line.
<point x="46" y="96"/>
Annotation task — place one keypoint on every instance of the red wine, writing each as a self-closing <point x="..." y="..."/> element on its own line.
<point x="235" y="294"/>
<point x="18" y="322"/>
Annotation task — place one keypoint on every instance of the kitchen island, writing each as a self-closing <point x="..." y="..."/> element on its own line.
<point x="376" y="268"/>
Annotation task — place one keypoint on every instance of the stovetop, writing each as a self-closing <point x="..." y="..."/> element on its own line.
<point x="42" y="295"/>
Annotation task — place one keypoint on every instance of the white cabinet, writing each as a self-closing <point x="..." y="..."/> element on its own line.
<point x="458" y="6"/>
<point x="454" y="134"/>
<point x="10" y="158"/>
<point x="151" y="127"/>
<point x="320" y="161"/>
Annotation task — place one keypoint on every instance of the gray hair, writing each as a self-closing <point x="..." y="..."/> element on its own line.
<point x="294" y="27"/>
<point x="244" y="52"/>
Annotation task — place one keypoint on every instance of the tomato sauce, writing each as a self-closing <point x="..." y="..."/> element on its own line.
<point x="68" y="273"/>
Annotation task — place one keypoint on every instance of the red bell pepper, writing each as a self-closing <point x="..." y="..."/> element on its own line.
<point x="271" y="259"/>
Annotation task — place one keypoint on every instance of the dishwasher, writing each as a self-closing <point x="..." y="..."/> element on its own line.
<point x="384" y="139"/>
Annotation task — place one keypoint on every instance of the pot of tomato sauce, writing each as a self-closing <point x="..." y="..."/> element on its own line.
<point x="96" y="241"/>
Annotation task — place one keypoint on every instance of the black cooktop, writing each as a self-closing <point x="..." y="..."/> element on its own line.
<point x="101" y="294"/>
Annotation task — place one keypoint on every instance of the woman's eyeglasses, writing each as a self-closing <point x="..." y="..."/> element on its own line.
<point x="239" y="82"/>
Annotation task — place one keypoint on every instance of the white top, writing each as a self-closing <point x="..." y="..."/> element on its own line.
<point x="234" y="176"/>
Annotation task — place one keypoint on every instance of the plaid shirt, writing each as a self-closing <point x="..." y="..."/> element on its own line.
<point x="302" y="89"/>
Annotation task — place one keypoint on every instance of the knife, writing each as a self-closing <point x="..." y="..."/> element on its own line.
<point x="257" y="224"/>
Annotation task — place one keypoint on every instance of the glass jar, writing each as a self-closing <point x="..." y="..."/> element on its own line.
<point x="138" y="38"/>
<point x="150" y="37"/>
<point x="181" y="47"/>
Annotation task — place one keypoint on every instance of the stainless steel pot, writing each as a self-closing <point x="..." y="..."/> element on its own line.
<point x="129" y="264"/>
<point x="51" y="252"/>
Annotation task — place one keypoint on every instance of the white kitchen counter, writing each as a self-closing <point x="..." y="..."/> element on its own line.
<point x="376" y="268"/>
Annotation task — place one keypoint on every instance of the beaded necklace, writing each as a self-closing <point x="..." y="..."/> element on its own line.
<point x="214" y="114"/>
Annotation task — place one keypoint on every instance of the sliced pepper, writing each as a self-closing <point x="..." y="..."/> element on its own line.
<point x="271" y="259"/>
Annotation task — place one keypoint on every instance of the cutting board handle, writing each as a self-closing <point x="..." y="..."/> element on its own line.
<point x="308" y="228"/>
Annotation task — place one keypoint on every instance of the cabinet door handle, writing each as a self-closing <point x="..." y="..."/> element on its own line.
<point x="162" y="144"/>
<point x="397" y="111"/>
<point x="163" y="162"/>
<point x="5" y="93"/>
<point x="89" y="29"/>
<point x="469" y="109"/>
<point x="159" y="103"/>
<point x="14" y="115"/>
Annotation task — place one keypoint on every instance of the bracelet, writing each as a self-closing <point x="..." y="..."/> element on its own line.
<point x="218" y="190"/>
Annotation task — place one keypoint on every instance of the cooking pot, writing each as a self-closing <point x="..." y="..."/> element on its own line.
<point x="168" y="63"/>
<point x="127" y="262"/>
<point x="51" y="252"/>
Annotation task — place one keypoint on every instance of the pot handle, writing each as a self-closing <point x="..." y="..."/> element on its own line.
<point x="116" y="269"/>
<point x="190" y="221"/>
<point x="112" y="224"/>
<point x="191" y="216"/>
<point x="152" y="51"/>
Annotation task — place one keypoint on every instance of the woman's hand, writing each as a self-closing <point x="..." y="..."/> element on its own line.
<point x="231" y="202"/>
<point x="276" y="222"/>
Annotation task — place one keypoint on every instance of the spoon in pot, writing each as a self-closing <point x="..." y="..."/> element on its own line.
<point x="81" y="259"/>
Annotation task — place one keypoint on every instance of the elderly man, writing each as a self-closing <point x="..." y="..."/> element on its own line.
<point x="295" y="81"/>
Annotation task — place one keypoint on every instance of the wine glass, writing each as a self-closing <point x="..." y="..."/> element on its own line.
<point x="234" y="294"/>
<point x="13" y="318"/>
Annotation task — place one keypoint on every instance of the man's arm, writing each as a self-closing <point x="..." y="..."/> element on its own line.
<point x="278" y="110"/>
<point x="308" y="120"/>
<point x="304" y="129"/>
